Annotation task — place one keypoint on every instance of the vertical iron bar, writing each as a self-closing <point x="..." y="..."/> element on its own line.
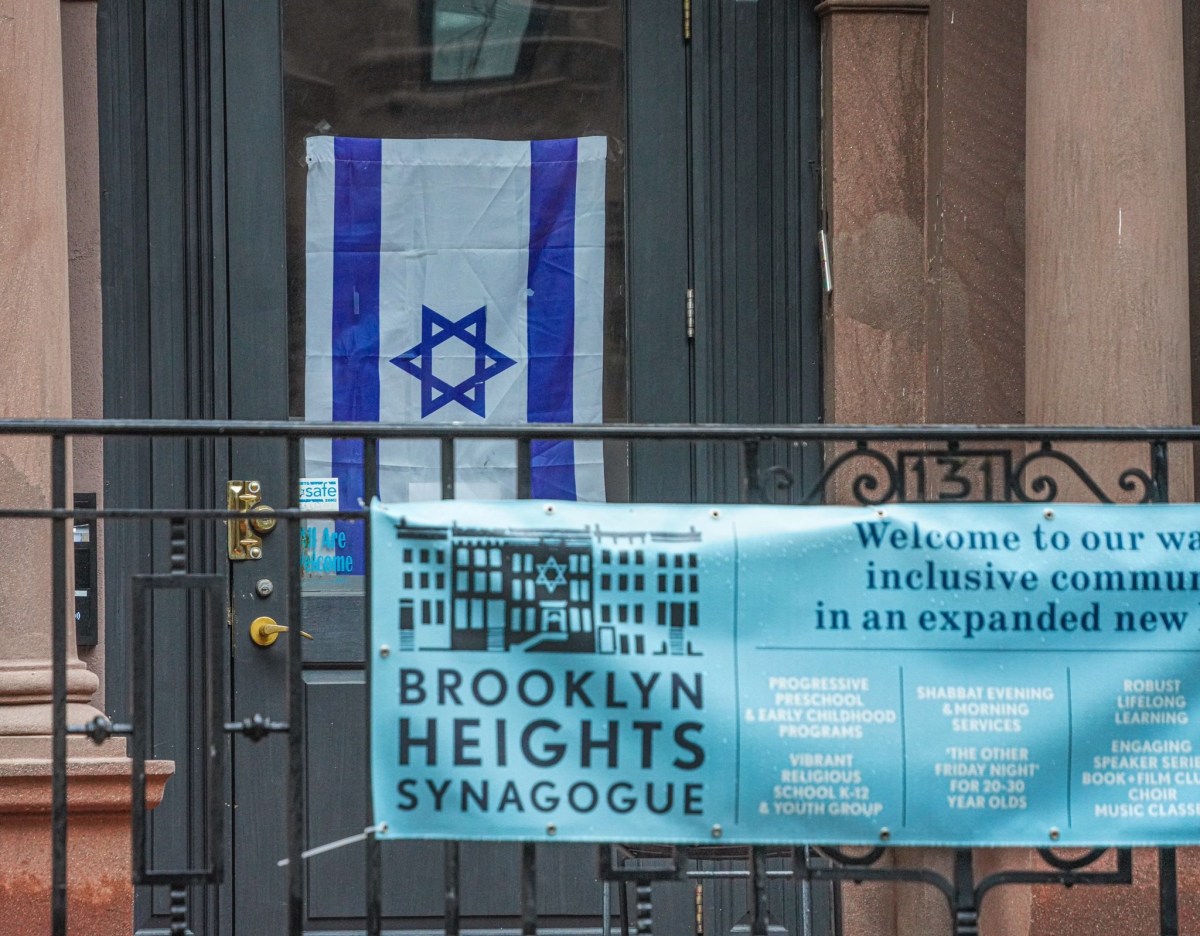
<point x="195" y="253"/>
<point x="450" y="879"/>
<point x="295" y="735"/>
<point x="758" y="891"/>
<point x="373" y="853"/>
<point x="605" y="873"/>
<point x="370" y="468"/>
<point x="140" y="676"/>
<point x="604" y="863"/>
<point x="58" y="680"/>
<point x="528" y="889"/>
<point x="806" y="899"/>
<point x="751" y="481"/>
<point x="179" y="910"/>
<point x="645" y="908"/>
<point x="606" y="920"/>
<point x="178" y="539"/>
<point x="1168" y="893"/>
<point x="524" y="468"/>
<point x="215" y="641"/>
<point x="1168" y="905"/>
<point x="1159" y="472"/>
<point x="802" y="872"/>
<point x="447" y="468"/>
<point x="965" y="911"/>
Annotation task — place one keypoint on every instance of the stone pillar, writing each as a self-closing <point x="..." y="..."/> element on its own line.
<point x="1107" y="324"/>
<point x="35" y="359"/>
<point x="36" y="365"/>
<point x="975" y="191"/>
<point x="876" y="341"/>
<point x="81" y="117"/>
<point x="975" y="239"/>
<point x="1191" y="83"/>
<point x="924" y="322"/>
<point x="873" y="56"/>
<point x="1106" y="222"/>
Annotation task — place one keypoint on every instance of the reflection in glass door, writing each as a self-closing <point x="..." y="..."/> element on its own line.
<point x="467" y="69"/>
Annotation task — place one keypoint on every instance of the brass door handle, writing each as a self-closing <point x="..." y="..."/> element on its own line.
<point x="260" y="523"/>
<point x="264" y="631"/>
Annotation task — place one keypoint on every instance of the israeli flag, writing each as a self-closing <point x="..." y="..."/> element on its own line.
<point x="455" y="281"/>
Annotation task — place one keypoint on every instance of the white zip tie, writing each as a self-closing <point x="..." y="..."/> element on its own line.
<point x="340" y="843"/>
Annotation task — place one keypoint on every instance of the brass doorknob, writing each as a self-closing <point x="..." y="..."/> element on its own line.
<point x="262" y="524"/>
<point x="264" y="631"/>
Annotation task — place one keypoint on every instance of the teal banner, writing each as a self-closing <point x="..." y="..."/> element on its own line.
<point x="912" y="675"/>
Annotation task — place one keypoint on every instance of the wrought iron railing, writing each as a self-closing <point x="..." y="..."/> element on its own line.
<point x="868" y="465"/>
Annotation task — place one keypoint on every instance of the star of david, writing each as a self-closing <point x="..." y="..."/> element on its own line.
<point x="551" y="574"/>
<point x="436" y="329"/>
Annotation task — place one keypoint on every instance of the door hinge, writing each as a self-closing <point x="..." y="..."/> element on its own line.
<point x="687" y="20"/>
<point x="691" y="313"/>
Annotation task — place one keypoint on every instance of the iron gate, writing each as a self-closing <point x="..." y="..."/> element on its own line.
<point x="867" y="465"/>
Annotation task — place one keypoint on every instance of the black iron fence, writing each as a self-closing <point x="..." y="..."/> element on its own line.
<point x="867" y="465"/>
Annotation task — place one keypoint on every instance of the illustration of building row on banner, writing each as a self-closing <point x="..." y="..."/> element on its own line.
<point x="547" y="591"/>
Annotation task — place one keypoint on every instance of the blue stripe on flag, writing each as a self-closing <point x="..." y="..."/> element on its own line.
<point x="356" y="234"/>
<point x="551" y="311"/>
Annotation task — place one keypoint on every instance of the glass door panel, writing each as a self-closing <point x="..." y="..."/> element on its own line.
<point x="468" y="69"/>
<point x="506" y="70"/>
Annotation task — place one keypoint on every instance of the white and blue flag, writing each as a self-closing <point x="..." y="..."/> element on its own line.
<point x="455" y="281"/>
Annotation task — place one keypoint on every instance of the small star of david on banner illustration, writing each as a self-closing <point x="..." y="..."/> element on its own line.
<point x="419" y="361"/>
<point x="551" y="574"/>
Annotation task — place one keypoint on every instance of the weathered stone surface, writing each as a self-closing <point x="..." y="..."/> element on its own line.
<point x="99" y="887"/>
<point x="1106" y="219"/>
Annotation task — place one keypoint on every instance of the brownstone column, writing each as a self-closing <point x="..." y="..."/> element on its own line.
<point x="1107" y="285"/>
<point x="874" y="156"/>
<point x="81" y="117"/>
<point x="35" y="360"/>
<point x="975" y="240"/>
<point x="1106" y="219"/>
<point x="876" y="341"/>
<point x="975" y="233"/>
<point x="35" y="382"/>
<point x="924" y="324"/>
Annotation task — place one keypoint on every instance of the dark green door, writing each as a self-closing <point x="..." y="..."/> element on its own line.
<point x="443" y="68"/>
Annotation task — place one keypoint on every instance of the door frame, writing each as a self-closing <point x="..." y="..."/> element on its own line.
<point x="164" y="353"/>
<point x="194" y="274"/>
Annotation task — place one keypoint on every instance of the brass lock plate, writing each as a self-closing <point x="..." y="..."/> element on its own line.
<point x="245" y="534"/>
